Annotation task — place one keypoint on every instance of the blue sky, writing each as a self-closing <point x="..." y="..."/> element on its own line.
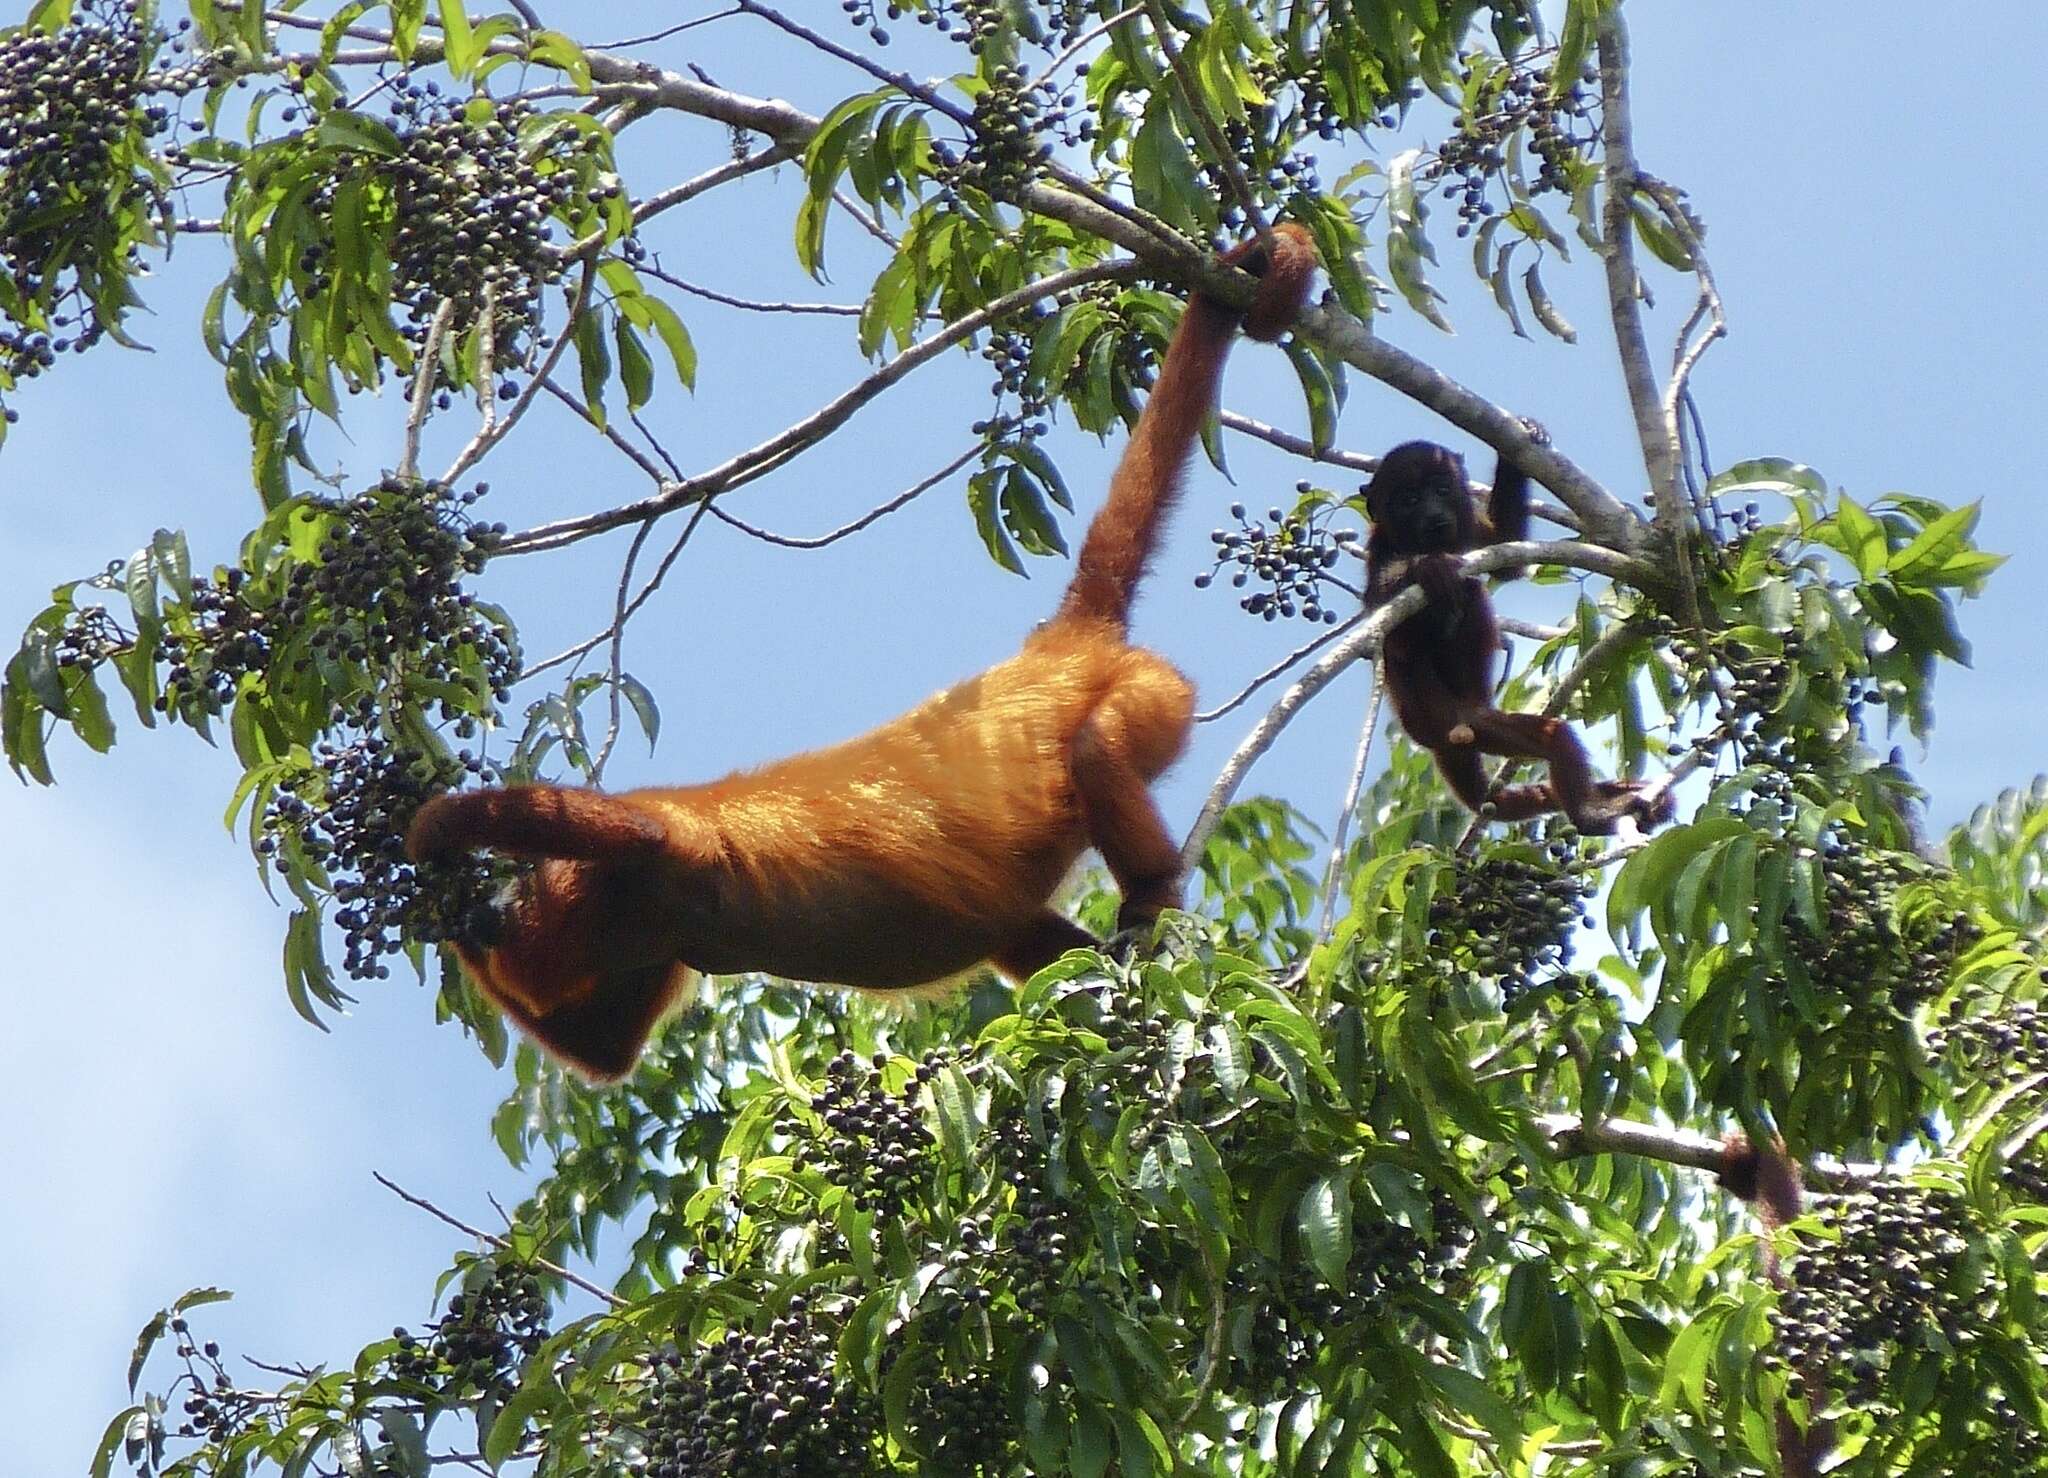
<point x="171" y="1122"/>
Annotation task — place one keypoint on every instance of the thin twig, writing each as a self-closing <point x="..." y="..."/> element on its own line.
<point x="751" y="305"/>
<point x="759" y="460"/>
<point x="486" y="360"/>
<point x="494" y="431"/>
<point x="881" y="510"/>
<point x="618" y="659"/>
<point x="610" y="432"/>
<point x="1093" y="34"/>
<point x="423" y="391"/>
<point x="1309" y="649"/>
<point x="604" y="1294"/>
<point x="1687" y="350"/>
<point x="868" y="223"/>
<point x="632" y="608"/>
<point x="674" y="30"/>
<point x="903" y="82"/>
<point x="1334" y="868"/>
<point x="1301" y="446"/>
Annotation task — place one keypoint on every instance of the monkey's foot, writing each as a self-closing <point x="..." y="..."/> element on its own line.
<point x="1647" y="802"/>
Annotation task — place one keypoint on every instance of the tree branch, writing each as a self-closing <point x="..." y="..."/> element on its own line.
<point x="1656" y="432"/>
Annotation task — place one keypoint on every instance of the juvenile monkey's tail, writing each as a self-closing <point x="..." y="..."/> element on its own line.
<point x="1147" y="481"/>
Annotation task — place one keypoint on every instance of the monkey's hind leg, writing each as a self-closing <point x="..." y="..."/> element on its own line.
<point x="1044" y="940"/>
<point x="1125" y="825"/>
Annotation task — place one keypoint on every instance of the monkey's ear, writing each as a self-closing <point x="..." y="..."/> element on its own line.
<point x="602" y="1033"/>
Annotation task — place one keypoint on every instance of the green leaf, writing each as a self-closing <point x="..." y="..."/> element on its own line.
<point x="460" y="42"/>
<point x="110" y="1440"/>
<point x="1325" y="1221"/>
<point x="983" y="495"/>
<point x="144" y="1343"/>
<point x="526" y="1403"/>
<point x="1318" y="390"/>
<point x="636" y="369"/>
<point x="1861" y="539"/>
<point x="1935" y="546"/>
<point x="674" y="337"/>
<point x="342" y="129"/>
<point x="1546" y="311"/>
<point x="645" y="710"/>
<point x="560" y="51"/>
<point x="595" y="363"/>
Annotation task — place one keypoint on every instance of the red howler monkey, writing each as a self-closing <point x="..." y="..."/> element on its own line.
<point x="1438" y="664"/>
<point x="911" y="854"/>
<point x="1766" y="1179"/>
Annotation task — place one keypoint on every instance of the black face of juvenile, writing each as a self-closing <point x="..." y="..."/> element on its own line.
<point x="1419" y="501"/>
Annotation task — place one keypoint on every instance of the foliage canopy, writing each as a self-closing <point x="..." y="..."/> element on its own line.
<point x="1388" y="1169"/>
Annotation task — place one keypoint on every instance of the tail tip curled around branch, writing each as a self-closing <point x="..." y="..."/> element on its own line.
<point x="1284" y="270"/>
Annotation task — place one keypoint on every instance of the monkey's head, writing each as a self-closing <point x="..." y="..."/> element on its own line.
<point x="1419" y="501"/>
<point x="582" y="955"/>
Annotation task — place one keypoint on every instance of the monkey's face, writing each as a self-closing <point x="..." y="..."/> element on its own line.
<point x="1419" y="500"/>
<point x="556" y="933"/>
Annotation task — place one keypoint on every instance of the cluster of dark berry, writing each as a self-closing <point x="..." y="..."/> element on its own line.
<point x="877" y="1145"/>
<point x="1035" y="1236"/>
<point x="1865" y="948"/>
<point x="348" y="816"/>
<point x="964" y="1427"/>
<point x="379" y="608"/>
<point x="975" y="23"/>
<point x="497" y="1322"/>
<point x="383" y="590"/>
<point x="1755" y="682"/>
<point x="197" y="68"/>
<point x="1511" y="916"/>
<point x="960" y="1286"/>
<point x="90" y="636"/>
<point x="1008" y="352"/>
<point x="757" y="1406"/>
<point x="386" y="587"/>
<point x="213" y="1408"/>
<point x="1389" y="1260"/>
<point x="1291" y="555"/>
<point x="206" y="658"/>
<point x="1512" y="99"/>
<point x="1015" y="122"/>
<point x="73" y="121"/>
<point x="1889" y="1284"/>
<point x="2001" y="1046"/>
<point x="1260" y="144"/>
<point x="479" y="186"/>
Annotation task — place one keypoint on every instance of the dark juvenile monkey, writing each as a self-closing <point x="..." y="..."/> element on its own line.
<point x="901" y="859"/>
<point x="1438" y="664"/>
<point x="1765" y="1178"/>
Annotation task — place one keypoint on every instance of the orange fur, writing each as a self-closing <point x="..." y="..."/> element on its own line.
<point x="900" y="860"/>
